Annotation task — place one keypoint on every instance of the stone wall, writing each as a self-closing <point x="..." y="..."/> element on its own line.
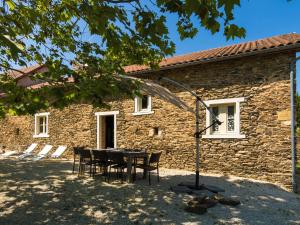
<point x="264" y="153"/>
<point x="71" y="126"/>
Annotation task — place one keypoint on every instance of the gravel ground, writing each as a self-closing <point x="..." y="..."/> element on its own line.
<point x="46" y="192"/>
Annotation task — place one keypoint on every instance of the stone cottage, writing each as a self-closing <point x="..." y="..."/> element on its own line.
<point x="246" y="85"/>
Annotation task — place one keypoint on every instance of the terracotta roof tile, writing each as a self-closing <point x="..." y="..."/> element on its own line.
<point x="26" y="70"/>
<point x="279" y="41"/>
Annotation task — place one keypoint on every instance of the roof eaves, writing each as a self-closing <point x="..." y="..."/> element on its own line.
<point x="295" y="47"/>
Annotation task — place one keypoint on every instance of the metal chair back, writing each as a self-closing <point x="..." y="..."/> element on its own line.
<point x="85" y="154"/>
<point x="100" y="155"/>
<point x="154" y="157"/>
<point x="77" y="149"/>
<point x="116" y="157"/>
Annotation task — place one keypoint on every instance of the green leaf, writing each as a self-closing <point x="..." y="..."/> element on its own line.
<point x="10" y="4"/>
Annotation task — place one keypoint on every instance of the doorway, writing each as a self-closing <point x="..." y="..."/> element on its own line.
<point x="106" y="129"/>
<point x="109" y="131"/>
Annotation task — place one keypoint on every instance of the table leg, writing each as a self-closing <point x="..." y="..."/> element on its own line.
<point x="129" y="167"/>
<point x="145" y="171"/>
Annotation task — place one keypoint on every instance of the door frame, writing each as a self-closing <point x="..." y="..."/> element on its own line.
<point x="98" y="125"/>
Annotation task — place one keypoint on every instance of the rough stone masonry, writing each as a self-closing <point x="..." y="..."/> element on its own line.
<point x="264" y="153"/>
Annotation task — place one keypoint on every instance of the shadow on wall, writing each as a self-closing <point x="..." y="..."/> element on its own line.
<point x="47" y="192"/>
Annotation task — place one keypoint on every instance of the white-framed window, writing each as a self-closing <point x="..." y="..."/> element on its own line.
<point x="228" y="112"/>
<point x="41" y="125"/>
<point x="142" y="105"/>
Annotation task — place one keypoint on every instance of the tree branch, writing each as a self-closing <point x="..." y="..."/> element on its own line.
<point x="121" y="1"/>
<point x="9" y="68"/>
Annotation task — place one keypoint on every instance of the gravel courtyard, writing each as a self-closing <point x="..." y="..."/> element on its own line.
<point x="46" y="192"/>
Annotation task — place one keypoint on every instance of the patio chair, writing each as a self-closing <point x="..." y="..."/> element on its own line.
<point x="75" y="154"/>
<point x="153" y="164"/>
<point x="28" y="151"/>
<point x="117" y="162"/>
<point x="43" y="153"/>
<point x="85" y="159"/>
<point x="59" y="151"/>
<point x="8" y="154"/>
<point x="101" y="159"/>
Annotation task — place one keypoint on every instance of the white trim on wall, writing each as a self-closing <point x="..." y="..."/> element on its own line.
<point x="98" y="121"/>
<point x="107" y="113"/>
<point x="236" y="133"/>
<point x="227" y="136"/>
<point x="142" y="113"/>
<point x="224" y="101"/>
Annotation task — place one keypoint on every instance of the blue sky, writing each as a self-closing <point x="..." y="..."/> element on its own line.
<point x="261" y="18"/>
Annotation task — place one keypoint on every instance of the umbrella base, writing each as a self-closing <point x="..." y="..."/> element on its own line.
<point x="211" y="188"/>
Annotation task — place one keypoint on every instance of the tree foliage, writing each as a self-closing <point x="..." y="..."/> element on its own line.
<point x="100" y="38"/>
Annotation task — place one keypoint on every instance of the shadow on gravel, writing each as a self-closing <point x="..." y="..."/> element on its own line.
<point x="46" y="192"/>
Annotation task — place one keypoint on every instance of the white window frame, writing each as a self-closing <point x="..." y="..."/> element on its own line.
<point x="36" y="116"/>
<point x="138" y="111"/>
<point x="237" y="124"/>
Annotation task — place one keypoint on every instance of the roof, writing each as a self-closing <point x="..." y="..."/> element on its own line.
<point x="24" y="71"/>
<point x="279" y="42"/>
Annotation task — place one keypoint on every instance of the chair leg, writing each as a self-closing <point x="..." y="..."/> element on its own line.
<point x="134" y="169"/>
<point x="109" y="173"/>
<point x="90" y="170"/>
<point x="104" y="170"/>
<point x="157" y="174"/>
<point x="149" y="177"/>
<point x="73" y="170"/>
<point x="93" y="169"/>
<point x="82" y="169"/>
<point x="122" y="175"/>
<point x="79" y="170"/>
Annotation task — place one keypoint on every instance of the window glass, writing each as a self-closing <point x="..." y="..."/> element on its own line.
<point x="143" y="104"/>
<point x="144" y="100"/>
<point x="215" y="127"/>
<point x="230" y="118"/>
<point x="41" y="125"/>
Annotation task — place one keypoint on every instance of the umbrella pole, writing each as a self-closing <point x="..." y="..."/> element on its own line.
<point x="197" y="136"/>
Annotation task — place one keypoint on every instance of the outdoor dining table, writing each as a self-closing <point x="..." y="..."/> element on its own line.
<point x="130" y="156"/>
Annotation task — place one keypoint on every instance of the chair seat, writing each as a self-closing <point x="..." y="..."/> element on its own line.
<point x="103" y="163"/>
<point x="88" y="162"/>
<point x="119" y="165"/>
<point x="147" y="167"/>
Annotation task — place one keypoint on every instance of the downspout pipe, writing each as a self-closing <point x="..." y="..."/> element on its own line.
<point x="293" y="122"/>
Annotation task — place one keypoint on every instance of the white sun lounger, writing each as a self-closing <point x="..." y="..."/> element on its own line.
<point x="59" y="151"/>
<point x="43" y="153"/>
<point x="28" y="151"/>
<point x="7" y="154"/>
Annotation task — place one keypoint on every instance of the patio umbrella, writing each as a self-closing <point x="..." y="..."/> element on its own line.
<point x="155" y="89"/>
